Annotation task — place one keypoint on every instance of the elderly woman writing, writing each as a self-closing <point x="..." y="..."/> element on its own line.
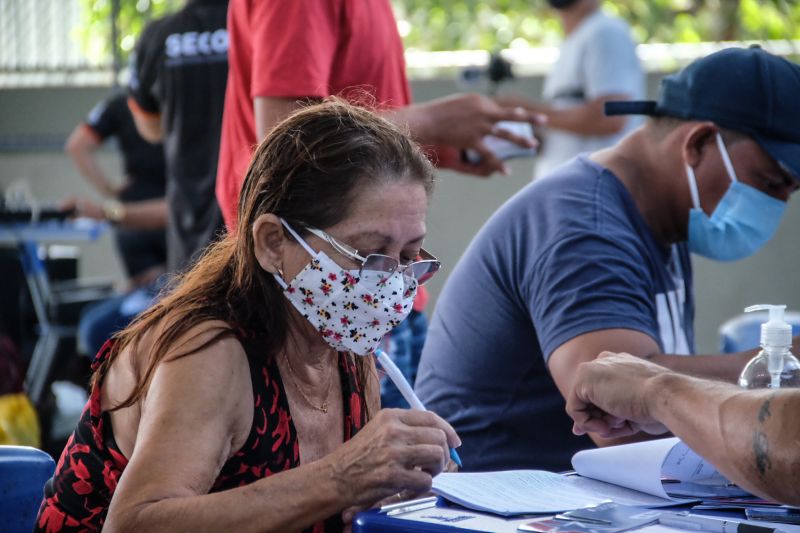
<point x="240" y="401"/>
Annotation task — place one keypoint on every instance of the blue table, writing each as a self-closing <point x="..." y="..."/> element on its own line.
<point x="376" y="521"/>
<point x="27" y="237"/>
<point x="443" y="518"/>
<point x="446" y="518"/>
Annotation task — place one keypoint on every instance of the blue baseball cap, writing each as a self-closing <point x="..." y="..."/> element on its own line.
<point x="747" y="90"/>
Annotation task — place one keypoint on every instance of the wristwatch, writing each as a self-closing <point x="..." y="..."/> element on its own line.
<point x="114" y="211"/>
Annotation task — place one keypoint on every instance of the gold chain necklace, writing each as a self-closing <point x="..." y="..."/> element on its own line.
<point x="324" y="407"/>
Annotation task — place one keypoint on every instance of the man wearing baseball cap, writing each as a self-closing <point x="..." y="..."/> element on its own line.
<point x="750" y="93"/>
<point x="595" y="257"/>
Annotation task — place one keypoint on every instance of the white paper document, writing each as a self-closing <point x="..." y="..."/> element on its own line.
<point x="683" y="464"/>
<point x="642" y="465"/>
<point x="533" y="491"/>
<point x="629" y="474"/>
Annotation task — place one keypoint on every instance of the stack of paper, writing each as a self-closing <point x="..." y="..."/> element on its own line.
<point x="534" y="491"/>
<point x="631" y="474"/>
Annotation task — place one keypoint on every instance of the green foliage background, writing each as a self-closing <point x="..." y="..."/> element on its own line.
<point x="94" y="32"/>
<point x="435" y="25"/>
<point x="472" y="24"/>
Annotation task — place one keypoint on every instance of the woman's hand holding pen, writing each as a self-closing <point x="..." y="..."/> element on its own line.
<point x="398" y="450"/>
<point x="402" y="496"/>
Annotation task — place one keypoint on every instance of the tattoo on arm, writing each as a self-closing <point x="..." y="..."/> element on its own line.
<point x="764" y="413"/>
<point x="760" y="441"/>
<point x="761" y="447"/>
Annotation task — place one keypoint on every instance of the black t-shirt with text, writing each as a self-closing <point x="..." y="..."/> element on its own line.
<point x="179" y="71"/>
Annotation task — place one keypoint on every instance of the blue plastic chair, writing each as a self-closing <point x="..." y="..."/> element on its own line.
<point x="743" y="332"/>
<point x="23" y="473"/>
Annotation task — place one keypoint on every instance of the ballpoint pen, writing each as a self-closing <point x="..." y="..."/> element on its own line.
<point x="585" y="519"/>
<point x="409" y="506"/>
<point x="405" y="389"/>
<point x="710" y="524"/>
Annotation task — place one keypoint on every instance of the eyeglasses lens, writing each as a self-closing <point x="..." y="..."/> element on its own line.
<point x="378" y="268"/>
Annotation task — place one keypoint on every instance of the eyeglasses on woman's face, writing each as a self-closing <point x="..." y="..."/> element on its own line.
<point x="376" y="268"/>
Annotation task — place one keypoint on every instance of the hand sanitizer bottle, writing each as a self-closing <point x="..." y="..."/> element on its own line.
<point x="774" y="366"/>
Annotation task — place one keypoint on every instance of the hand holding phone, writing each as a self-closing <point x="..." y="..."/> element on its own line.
<point x="504" y="149"/>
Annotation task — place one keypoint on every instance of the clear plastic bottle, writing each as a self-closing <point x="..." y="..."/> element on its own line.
<point x="774" y="366"/>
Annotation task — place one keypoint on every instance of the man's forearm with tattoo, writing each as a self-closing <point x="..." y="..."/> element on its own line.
<point x="753" y="437"/>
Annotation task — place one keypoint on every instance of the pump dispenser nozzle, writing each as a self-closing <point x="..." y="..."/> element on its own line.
<point x="774" y="332"/>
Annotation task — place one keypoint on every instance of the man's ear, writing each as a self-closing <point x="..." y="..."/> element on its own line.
<point x="697" y="140"/>
<point x="268" y="242"/>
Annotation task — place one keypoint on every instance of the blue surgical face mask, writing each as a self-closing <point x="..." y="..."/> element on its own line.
<point x="743" y="221"/>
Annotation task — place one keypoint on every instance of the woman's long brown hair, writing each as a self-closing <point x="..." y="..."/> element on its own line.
<point x="309" y="170"/>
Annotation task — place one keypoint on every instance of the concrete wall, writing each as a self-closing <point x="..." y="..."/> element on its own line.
<point x="461" y="204"/>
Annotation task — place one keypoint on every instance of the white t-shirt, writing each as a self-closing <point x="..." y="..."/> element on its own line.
<point x="597" y="59"/>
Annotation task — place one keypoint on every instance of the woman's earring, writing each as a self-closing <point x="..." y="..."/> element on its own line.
<point x="280" y="272"/>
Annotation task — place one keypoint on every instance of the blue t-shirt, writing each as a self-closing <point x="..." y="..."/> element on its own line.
<point x="567" y="255"/>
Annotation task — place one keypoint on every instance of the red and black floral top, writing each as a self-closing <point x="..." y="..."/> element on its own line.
<point x="78" y="495"/>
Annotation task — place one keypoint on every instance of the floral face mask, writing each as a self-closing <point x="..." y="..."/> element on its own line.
<point x="349" y="313"/>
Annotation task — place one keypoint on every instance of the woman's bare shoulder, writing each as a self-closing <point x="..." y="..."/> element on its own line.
<point x="208" y="347"/>
<point x="198" y="371"/>
<point x="199" y="336"/>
